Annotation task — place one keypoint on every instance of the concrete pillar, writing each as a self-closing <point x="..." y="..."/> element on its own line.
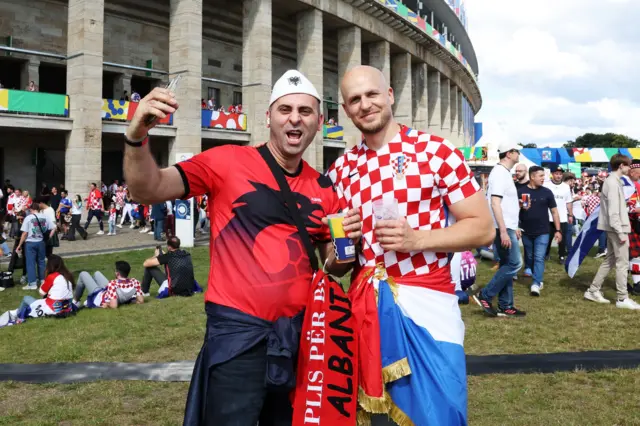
<point x="83" y="154"/>
<point x="256" y="66"/>
<point x="310" y="60"/>
<point x="120" y="84"/>
<point x="461" y="118"/>
<point x="434" y="110"/>
<point x="30" y="72"/>
<point x="185" y="57"/>
<point x="380" y="57"/>
<point x="445" y="110"/>
<point x="453" y="106"/>
<point x="19" y="167"/>
<point x="402" y="89"/>
<point x="420" y="97"/>
<point x="349" y="56"/>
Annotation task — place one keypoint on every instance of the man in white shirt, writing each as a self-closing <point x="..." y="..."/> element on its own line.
<point x="505" y="210"/>
<point x="564" y="200"/>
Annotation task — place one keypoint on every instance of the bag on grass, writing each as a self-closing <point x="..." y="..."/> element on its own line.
<point x="6" y="279"/>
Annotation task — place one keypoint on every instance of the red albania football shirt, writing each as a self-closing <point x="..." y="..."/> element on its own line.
<point x="258" y="262"/>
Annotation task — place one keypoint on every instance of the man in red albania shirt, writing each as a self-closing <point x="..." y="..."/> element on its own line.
<point x="260" y="273"/>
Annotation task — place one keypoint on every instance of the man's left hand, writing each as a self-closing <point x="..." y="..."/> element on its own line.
<point x="352" y="225"/>
<point x="396" y="235"/>
<point x="570" y="220"/>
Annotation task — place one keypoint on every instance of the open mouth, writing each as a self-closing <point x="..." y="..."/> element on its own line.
<point x="294" y="136"/>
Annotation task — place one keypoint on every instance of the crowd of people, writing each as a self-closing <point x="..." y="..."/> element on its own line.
<point x="62" y="295"/>
<point x="536" y="211"/>
<point x="212" y="105"/>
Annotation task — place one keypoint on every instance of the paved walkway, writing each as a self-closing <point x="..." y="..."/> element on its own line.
<point x="125" y="239"/>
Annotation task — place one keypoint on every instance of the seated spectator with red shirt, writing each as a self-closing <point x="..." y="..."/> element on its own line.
<point x="57" y="292"/>
<point x="102" y="293"/>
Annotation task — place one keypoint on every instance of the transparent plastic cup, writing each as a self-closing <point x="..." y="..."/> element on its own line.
<point x="386" y="209"/>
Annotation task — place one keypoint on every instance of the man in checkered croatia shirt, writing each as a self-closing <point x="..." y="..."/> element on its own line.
<point x="442" y="210"/>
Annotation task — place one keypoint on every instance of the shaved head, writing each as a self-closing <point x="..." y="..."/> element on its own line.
<point x="363" y="71"/>
<point x="367" y="99"/>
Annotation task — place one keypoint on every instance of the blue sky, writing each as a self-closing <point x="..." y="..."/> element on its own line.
<point x="551" y="70"/>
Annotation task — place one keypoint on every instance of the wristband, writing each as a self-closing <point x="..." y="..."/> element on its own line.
<point x="558" y="231"/>
<point x="136" y="144"/>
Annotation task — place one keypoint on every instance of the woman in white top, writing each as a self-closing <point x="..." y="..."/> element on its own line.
<point x="33" y="228"/>
<point x="76" y="215"/>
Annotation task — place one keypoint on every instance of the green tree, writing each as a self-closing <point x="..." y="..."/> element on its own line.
<point x="607" y="140"/>
<point x="529" y="145"/>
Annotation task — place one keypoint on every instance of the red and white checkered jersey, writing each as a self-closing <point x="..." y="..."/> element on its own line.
<point x="590" y="203"/>
<point x="95" y="200"/>
<point x="129" y="286"/>
<point x="434" y="175"/>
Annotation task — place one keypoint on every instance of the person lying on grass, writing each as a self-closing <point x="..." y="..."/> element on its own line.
<point x="103" y="293"/>
<point x="57" y="292"/>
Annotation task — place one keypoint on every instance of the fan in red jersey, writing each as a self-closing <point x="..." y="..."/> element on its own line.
<point x="260" y="273"/>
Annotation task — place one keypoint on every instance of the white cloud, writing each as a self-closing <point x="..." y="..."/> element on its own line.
<point x="552" y="70"/>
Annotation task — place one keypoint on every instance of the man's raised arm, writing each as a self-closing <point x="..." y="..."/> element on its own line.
<point x="148" y="183"/>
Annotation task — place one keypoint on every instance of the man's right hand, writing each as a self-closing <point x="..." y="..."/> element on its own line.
<point x="159" y="103"/>
<point x="505" y="240"/>
<point x="623" y="238"/>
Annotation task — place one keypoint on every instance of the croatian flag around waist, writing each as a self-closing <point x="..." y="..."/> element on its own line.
<point x="421" y="338"/>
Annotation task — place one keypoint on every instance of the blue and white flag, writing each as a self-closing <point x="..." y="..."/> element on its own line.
<point x="589" y="234"/>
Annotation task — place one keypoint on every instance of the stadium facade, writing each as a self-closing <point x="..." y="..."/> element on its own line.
<point x="84" y="54"/>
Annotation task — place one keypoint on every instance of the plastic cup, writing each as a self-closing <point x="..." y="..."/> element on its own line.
<point x="344" y="248"/>
<point x="386" y="209"/>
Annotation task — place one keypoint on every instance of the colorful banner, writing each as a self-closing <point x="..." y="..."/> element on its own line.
<point x="223" y="120"/>
<point x="124" y="110"/>
<point x="34" y="102"/>
<point x="457" y="6"/>
<point x="332" y="132"/>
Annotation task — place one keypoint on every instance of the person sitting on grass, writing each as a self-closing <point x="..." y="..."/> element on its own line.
<point x="177" y="279"/>
<point x="57" y="292"/>
<point x="102" y="293"/>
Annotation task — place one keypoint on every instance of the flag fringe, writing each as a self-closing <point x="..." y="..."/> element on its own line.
<point x="397" y="370"/>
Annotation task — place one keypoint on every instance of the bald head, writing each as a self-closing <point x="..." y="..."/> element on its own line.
<point x="367" y="99"/>
<point x="366" y="72"/>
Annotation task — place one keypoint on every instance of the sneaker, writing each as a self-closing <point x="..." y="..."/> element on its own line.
<point x="1" y="288"/>
<point x="562" y="258"/>
<point x="33" y="286"/>
<point x="100" y="233"/>
<point x="132" y="226"/>
<point x="485" y="305"/>
<point x="535" y="290"/>
<point x="144" y="230"/>
<point x="23" y="279"/>
<point x="527" y="273"/>
<point x="119" y="226"/>
<point x="595" y="297"/>
<point x="8" y="255"/>
<point x="146" y="294"/>
<point x="511" y="313"/>
<point x="150" y="233"/>
<point x="601" y="254"/>
<point x="628" y="304"/>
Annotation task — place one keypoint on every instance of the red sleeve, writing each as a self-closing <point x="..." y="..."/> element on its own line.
<point x="48" y="282"/>
<point x="206" y="172"/>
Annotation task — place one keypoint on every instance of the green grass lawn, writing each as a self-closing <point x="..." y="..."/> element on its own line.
<point x="580" y="398"/>
<point x="172" y="329"/>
